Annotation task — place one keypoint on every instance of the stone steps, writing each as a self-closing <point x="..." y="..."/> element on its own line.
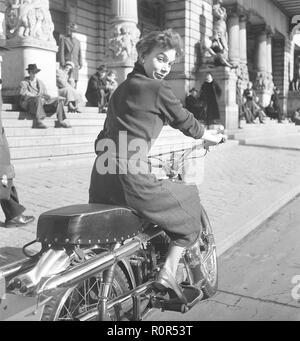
<point x="51" y="131"/>
<point x="36" y="148"/>
<point x="51" y="140"/>
<point x="281" y="142"/>
<point x="251" y="132"/>
<point x="15" y="108"/>
<point x="51" y="150"/>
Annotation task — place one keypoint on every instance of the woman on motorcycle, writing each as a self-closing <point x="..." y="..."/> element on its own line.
<point x="137" y="112"/>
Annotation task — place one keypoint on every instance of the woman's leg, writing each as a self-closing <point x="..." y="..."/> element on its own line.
<point x="174" y="255"/>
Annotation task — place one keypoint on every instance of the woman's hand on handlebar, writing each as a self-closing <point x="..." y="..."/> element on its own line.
<point x="212" y="139"/>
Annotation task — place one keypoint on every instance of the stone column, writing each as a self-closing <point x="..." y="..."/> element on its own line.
<point x="30" y="41"/>
<point x="243" y="66"/>
<point x="262" y="59"/>
<point x="270" y="62"/>
<point x="234" y="38"/>
<point x="124" y="35"/>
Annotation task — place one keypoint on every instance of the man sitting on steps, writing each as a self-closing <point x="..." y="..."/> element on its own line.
<point x="35" y="100"/>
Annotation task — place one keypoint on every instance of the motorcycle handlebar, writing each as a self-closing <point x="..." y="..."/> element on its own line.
<point x="174" y="164"/>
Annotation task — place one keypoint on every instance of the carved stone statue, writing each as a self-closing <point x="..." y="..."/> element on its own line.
<point x="264" y="81"/>
<point x="214" y="53"/>
<point x="220" y="26"/>
<point x="214" y="50"/>
<point x="122" y="43"/>
<point x="29" y="18"/>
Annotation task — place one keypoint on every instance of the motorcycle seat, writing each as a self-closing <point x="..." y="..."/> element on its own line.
<point x="89" y="224"/>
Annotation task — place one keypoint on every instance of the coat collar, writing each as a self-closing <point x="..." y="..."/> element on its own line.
<point x="138" y="69"/>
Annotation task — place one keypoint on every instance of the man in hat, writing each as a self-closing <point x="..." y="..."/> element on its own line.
<point x="97" y="89"/>
<point x="70" y="50"/>
<point x="35" y="100"/>
<point x="192" y="103"/>
<point x="9" y="201"/>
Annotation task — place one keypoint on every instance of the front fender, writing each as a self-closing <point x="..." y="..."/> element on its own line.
<point x="127" y="268"/>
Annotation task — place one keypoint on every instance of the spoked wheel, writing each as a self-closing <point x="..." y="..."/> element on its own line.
<point x="209" y="257"/>
<point x="76" y="302"/>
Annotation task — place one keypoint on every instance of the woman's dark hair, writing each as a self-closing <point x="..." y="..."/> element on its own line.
<point x="167" y="39"/>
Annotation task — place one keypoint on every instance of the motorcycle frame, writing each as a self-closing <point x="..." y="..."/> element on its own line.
<point x="73" y="276"/>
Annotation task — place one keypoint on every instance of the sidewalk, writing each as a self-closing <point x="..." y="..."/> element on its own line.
<point x="243" y="186"/>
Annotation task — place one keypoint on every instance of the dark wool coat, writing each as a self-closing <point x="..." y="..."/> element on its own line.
<point x="140" y="107"/>
<point x="209" y="94"/>
<point x="194" y="106"/>
<point x="6" y="169"/>
<point x="95" y="85"/>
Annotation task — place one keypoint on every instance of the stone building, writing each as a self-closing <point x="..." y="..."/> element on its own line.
<point x="260" y="41"/>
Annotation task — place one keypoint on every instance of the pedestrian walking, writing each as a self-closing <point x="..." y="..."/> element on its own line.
<point x="9" y="201"/>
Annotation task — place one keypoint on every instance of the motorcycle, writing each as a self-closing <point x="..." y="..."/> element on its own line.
<point x="99" y="262"/>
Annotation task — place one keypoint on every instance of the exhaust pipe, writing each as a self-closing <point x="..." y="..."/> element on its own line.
<point x="51" y="263"/>
<point x="13" y="268"/>
<point x="83" y="271"/>
<point x="73" y="276"/>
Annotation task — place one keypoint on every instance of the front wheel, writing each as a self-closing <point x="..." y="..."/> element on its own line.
<point x="209" y="258"/>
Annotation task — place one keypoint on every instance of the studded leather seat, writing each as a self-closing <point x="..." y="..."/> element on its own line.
<point x="89" y="224"/>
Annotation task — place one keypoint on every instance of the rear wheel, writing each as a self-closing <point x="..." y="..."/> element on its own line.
<point x="70" y="304"/>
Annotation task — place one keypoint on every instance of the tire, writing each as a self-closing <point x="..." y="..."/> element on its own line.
<point x="208" y="250"/>
<point x="68" y="304"/>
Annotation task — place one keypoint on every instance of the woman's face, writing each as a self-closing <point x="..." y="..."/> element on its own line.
<point x="209" y="78"/>
<point x="68" y="68"/>
<point x="159" y="62"/>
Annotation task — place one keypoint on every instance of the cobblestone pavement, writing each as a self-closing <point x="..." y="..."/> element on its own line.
<point x="240" y="182"/>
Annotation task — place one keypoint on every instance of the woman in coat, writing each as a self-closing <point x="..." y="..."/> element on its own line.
<point x="137" y="112"/>
<point x="209" y="94"/>
<point x="66" y="87"/>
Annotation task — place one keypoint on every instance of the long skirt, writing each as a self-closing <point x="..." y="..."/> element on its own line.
<point x="174" y="206"/>
<point x="71" y="94"/>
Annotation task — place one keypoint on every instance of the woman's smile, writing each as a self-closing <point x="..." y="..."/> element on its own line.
<point x="158" y="76"/>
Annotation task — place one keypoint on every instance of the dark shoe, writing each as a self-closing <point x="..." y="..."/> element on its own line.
<point x="39" y="125"/>
<point x="165" y="281"/>
<point x="71" y="107"/>
<point x="20" y="220"/>
<point x="78" y="111"/>
<point x="63" y="124"/>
